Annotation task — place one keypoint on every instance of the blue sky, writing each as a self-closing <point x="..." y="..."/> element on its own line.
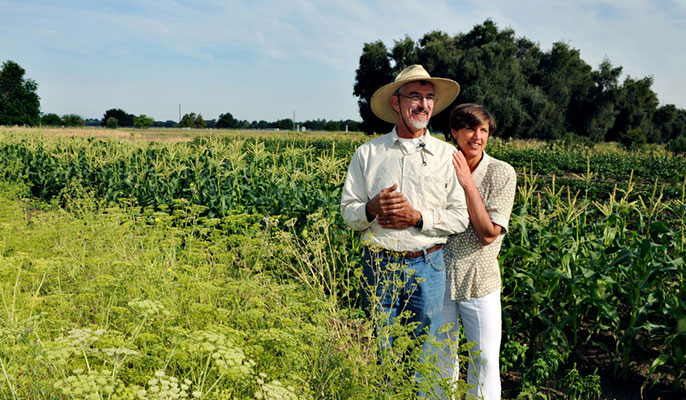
<point x="265" y="59"/>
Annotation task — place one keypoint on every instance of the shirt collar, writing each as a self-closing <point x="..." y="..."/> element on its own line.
<point x="429" y="141"/>
<point x="480" y="171"/>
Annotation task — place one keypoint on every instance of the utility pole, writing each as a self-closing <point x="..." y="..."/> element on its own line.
<point x="179" y="112"/>
<point x="293" y="119"/>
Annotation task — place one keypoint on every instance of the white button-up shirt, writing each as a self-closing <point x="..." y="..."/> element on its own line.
<point x="424" y="174"/>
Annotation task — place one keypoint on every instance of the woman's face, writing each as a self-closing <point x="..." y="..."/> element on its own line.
<point x="472" y="141"/>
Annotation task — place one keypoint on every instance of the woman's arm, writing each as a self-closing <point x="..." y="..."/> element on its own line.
<point x="485" y="229"/>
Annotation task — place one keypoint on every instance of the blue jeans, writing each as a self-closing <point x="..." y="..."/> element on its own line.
<point x="395" y="284"/>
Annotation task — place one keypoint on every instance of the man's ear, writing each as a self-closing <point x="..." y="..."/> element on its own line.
<point x="394" y="103"/>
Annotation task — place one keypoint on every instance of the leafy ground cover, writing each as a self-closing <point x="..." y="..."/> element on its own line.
<point x="124" y="302"/>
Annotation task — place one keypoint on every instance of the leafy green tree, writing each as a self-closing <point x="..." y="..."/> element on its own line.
<point x="142" y="122"/>
<point x="51" y="119"/>
<point x="192" y="121"/>
<point x="669" y="122"/>
<point x="199" y="122"/>
<point x="567" y="81"/>
<point x="123" y="118"/>
<point x="169" y="124"/>
<point x="600" y="106"/>
<point x="73" y="120"/>
<point x="333" y="126"/>
<point x="532" y="94"/>
<point x="284" y="124"/>
<point x="633" y="138"/>
<point x="373" y="72"/>
<point x="227" y="121"/>
<point x="111" y="123"/>
<point x="19" y="102"/>
<point x="636" y="104"/>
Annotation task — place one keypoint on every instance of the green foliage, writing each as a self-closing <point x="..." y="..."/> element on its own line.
<point x="123" y="118"/>
<point x="374" y="70"/>
<point x="111" y="123"/>
<point x="51" y="120"/>
<point x="533" y="94"/>
<point x="72" y="120"/>
<point x="227" y="121"/>
<point x="285" y="124"/>
<point x="678" y="145"/>
<point x="581" y="387"/>
<point x="142" y="122"/>
<point x="192" y="121"/>
<point x="19" y="101"/>
<point x="633" y="138"/>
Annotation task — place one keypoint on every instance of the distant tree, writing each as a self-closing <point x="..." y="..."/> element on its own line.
<point x="142" y="122"/>
<point x="262" y="125"/>
<point x="353" y="126"/>
<point x="285" y="124"/>
<point x="678" y="145"/>
<point x="633" y="138"/>
<point x="200" y="122"/>
<point x="192" y="121"/>
<point x="169" y="124"/>
<point x="636" y="104"/>
<point x="669" y="123"/>
<point x="19" y="102"/>
<point x="73" y="120"/>
<point x="125" y="119"/>
<point x="51" y="119"/>
<point x="227" y="121"/>
<point x="531" y="93"/>
<point x="212" y="124"/>
<point x="92" y="122"/>
<point x="112" y="123"/>
<point x="374" y="71"/>
<point x="333" y="126"/>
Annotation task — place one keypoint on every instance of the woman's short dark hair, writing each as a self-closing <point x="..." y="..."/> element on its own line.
<point x="470" y="115"/>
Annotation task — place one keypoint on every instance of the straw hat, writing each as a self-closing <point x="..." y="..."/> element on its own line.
<point x="446" y="91"/>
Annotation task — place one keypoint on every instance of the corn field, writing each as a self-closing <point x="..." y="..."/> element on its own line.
<point x="592" y="265"/>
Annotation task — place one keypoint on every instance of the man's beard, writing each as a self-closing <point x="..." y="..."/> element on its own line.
<point x="416" y="124"/>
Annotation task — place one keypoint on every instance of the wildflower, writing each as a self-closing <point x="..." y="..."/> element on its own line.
<point x="157" y="220"/>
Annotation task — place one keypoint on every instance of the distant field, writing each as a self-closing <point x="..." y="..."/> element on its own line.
<point x="175" y="135"/>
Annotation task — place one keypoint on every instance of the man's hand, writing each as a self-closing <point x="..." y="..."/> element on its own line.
<point x="392" y="210"/>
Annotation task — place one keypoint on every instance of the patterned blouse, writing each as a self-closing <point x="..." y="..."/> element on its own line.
<point x="472" y="269"/>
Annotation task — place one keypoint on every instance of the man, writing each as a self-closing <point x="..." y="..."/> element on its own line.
<point x="402" y="193"/>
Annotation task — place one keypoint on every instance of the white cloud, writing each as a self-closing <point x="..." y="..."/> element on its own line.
<point x="280" y="49"/>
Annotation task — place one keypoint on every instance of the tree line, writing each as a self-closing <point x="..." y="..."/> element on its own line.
<point x="532" y="93"/>
<point x="20" y="105"/>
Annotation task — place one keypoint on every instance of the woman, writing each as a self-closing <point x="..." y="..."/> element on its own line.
<point x="473" y="273"/>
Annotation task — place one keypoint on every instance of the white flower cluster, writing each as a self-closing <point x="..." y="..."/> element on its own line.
<point x="148" y="308"/>
<point x="83" y="338"/>
<point x="274" y="390"/>
<point x="92" y="385"/>
<point x="228" y="357"/>
<point x="163" y="387"/>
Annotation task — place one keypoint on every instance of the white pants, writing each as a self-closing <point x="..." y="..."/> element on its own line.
<point x="482" y="321"/>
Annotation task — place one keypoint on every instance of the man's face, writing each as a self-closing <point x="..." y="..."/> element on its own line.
<point x="413" y="104"/>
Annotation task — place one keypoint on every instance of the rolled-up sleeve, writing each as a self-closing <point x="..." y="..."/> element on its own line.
<point x="454" y="218"/>
<point x="354" y="197"/>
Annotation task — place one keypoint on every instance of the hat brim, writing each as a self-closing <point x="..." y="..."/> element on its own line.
<point x="446" y="91"/>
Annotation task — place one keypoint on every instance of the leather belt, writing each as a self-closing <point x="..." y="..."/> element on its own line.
<point x="412" y="254"/>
